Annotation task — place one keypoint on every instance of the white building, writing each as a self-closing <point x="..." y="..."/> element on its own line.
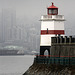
<point x="52" y="24"/>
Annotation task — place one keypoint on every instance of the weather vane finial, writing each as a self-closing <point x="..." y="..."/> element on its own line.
<point x="52" y="3"/>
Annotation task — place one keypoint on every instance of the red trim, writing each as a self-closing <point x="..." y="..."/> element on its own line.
<point x="44" y="32"/>
<point x="52" y="6"/>
<point x="53" y="56"/>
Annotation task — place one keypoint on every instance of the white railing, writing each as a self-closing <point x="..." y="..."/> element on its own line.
<point x="52" y="17"/>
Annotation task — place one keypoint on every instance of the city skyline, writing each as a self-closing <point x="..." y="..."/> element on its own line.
<point x="13" y="33"/>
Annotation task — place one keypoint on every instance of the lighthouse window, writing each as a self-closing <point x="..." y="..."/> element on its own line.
<point x="55" y="11"/>
<point x="50" y="11"/>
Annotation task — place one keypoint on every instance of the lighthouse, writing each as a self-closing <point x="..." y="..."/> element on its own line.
<point x="52" y="25"/>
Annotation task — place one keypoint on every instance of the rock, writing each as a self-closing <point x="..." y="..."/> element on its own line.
<point x="44" y="69"/>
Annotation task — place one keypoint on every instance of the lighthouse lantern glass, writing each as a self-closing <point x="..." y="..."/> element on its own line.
<point x="53" y="11"/>
<point x="50" y="11"/>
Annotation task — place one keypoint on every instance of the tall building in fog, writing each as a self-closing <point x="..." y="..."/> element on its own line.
<point x="18" y="33"/>
<point x="8" y="25"/>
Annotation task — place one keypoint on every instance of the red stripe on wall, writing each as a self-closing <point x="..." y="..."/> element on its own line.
<point x="43" y="32"/>
<point x="54" y="56"/>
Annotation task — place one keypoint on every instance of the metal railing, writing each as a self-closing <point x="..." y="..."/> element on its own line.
<point x="52" y="17"/>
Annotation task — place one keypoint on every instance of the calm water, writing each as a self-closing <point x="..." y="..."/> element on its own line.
<point x="15" y="65"/>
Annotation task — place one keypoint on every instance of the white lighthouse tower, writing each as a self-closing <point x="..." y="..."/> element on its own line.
<point x="52" y="24"/>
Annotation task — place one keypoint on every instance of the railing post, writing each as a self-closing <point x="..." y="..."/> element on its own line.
<point x="70" y="39"/>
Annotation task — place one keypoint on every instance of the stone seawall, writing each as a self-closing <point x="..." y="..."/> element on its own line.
<point x="62" y="47"/>
<point x="44" y="69"/>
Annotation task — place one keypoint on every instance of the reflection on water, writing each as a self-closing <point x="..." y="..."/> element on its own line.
<point x="15" y="65"/>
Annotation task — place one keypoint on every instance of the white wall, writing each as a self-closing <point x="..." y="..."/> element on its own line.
<point x="58" y="25"/>
<point x="47" y="24"/>
<point x="52" y="25"/>
<point x="45" y="40"/>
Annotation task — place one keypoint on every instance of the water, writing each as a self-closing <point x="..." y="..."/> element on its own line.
<point x="15" y="65"/>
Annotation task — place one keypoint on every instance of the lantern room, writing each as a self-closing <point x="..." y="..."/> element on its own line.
<point x="52" y="10"/>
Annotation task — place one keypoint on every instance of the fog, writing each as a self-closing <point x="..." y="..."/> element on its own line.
<point x="26" y="25"/>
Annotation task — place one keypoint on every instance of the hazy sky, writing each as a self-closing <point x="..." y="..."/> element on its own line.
<point x="33" y="9"/>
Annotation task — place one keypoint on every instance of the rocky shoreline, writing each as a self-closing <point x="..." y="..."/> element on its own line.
<point x="45" y="69"/>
